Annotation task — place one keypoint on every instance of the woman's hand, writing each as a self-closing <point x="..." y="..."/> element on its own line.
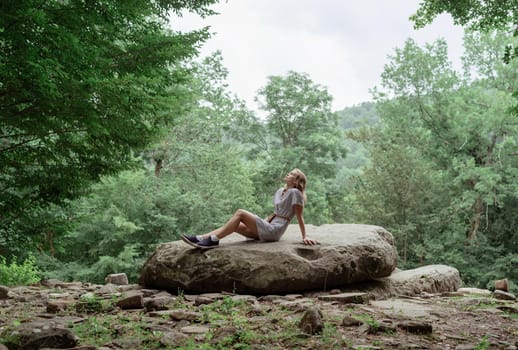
<point x="309" y="241"/>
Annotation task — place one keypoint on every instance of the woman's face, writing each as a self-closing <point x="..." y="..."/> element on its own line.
<point x="290" y="178"/>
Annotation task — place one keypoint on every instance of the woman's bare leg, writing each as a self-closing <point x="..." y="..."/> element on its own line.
<point x="242" y="222"/>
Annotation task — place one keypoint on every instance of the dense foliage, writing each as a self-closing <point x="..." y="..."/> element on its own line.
<point x="114" y="140"/>
<point x="14" y="274"/>
<point x="83" y="83"/>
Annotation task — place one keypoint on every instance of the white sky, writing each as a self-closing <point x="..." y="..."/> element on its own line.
<point x="342" y="44"/>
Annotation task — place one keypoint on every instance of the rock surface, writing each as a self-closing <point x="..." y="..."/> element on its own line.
<point x="314" y="320"/>
<point x="346" y="254"/>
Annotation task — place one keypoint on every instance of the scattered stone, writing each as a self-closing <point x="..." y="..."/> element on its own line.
<point x="349" y="321"/>
<point x="271" y="298"/>
<point x="31" y="336"/>
<point x="157" y="303"/>
<point x="117" y="278"/>
<point x="429" y="279"/>
<point x="224" y="332"/>
<point x="201" y="300"/>
<point x="296" y="305"/>
<point x="294" y="296"/>
<point x="4" y="291"/>
<point x="160" y="313"/>
<point x="179" y="315"/>
<point x="475" y="291"/>
<point x="173" y="338"/>
<point x="375" y="327"/>
<point x="55" y="306"/>
<point x="50" y="283"/>
<point x="502" y="285"/>
<point x="466" y="347"/>
<point x="396" y="307"/>
<point x="346" y="298"/>
<point x="59" y="295"/>
<point x="246" y="298"/>
<point x="195" y="329"/>
<point x="87" y="296"/>
<point x="507" y="308"/>
<point x="416" y="327"/>
<point x="132" y="287"/>
<point x="109" y="288"/>
<point x="131" y="302"/>
<point x="312" y="322"/>
<point x="146" y="293"/>
<point x="501" y="295"/>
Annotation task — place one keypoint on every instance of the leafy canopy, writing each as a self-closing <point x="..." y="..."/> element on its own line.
<point x="83" y="84"/>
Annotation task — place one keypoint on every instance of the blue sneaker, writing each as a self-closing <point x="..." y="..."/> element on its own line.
<point x="191" y="240"/>
<point x="207" y="243"/>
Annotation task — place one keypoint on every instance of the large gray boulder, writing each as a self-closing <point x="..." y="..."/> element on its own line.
<point x="414" y="282"/>
<point x="346" y="254"/>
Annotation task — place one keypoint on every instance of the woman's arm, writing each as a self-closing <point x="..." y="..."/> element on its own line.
<point x="299" y="209"/>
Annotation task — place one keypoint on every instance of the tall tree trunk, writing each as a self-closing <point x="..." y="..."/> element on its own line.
<point x="158" y="167"/>
<point x="475" y="219"/>
<point x="478" y="206"/>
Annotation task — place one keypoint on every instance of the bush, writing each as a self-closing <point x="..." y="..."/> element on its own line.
<point x="14" y="274"/>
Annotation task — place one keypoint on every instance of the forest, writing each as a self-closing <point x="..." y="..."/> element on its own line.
<point x="115" y="136"/>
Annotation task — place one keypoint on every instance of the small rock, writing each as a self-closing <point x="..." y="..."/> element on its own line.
<point x="507" y="308"/>
<point x="375" y="327"/>
<point x="117" y="278"/>
<point x="201" y="300"/>
<point x="186" y="315"/>
<point x="173" y="338"/>
<point x="50" y="283"/>
<point x="35" y="338"/>
<point x="131" y="302"/>
<point x="157" y="303"/>
<point x="350" y="321"/>
<point x="195" y="330"/>
<point x="346" y="298"/>
<point x="244" y="297"/>
<point x="311" y="322"/>
<point x="466" y="347"/>
<point x="416" y="327"/>
<point x="502" y="285"/>
<point x="501" y="295"/>
<point x="55" y="306"/>
<point x="224" y="332"/>
<point x="3" y="292"/>
<point x="130" y="287"/>
<point x="476" y="291"/>
<point x="109" y="288"/>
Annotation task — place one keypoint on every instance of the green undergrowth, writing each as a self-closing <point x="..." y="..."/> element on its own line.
<point x="13" y="273"/>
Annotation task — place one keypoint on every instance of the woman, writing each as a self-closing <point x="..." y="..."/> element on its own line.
<point x="288" y="202"/>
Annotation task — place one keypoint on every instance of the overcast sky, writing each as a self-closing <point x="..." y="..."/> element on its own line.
<point x="342" y="44"/>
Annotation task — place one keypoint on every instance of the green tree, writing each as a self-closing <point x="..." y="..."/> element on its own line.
<point x="192" y="181"/>
<point x="442" y="159"/>
<point x="83" y="84"/>
<point x="478" y="15"/>
<point x="303" y="132"/>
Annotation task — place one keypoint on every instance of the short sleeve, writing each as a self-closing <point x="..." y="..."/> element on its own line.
<point x="297" y="198"/>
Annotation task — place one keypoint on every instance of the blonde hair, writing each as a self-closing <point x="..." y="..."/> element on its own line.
<point x="300" y="182"/>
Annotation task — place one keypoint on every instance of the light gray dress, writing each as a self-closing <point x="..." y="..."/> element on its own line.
<point x="283" y="204"/>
